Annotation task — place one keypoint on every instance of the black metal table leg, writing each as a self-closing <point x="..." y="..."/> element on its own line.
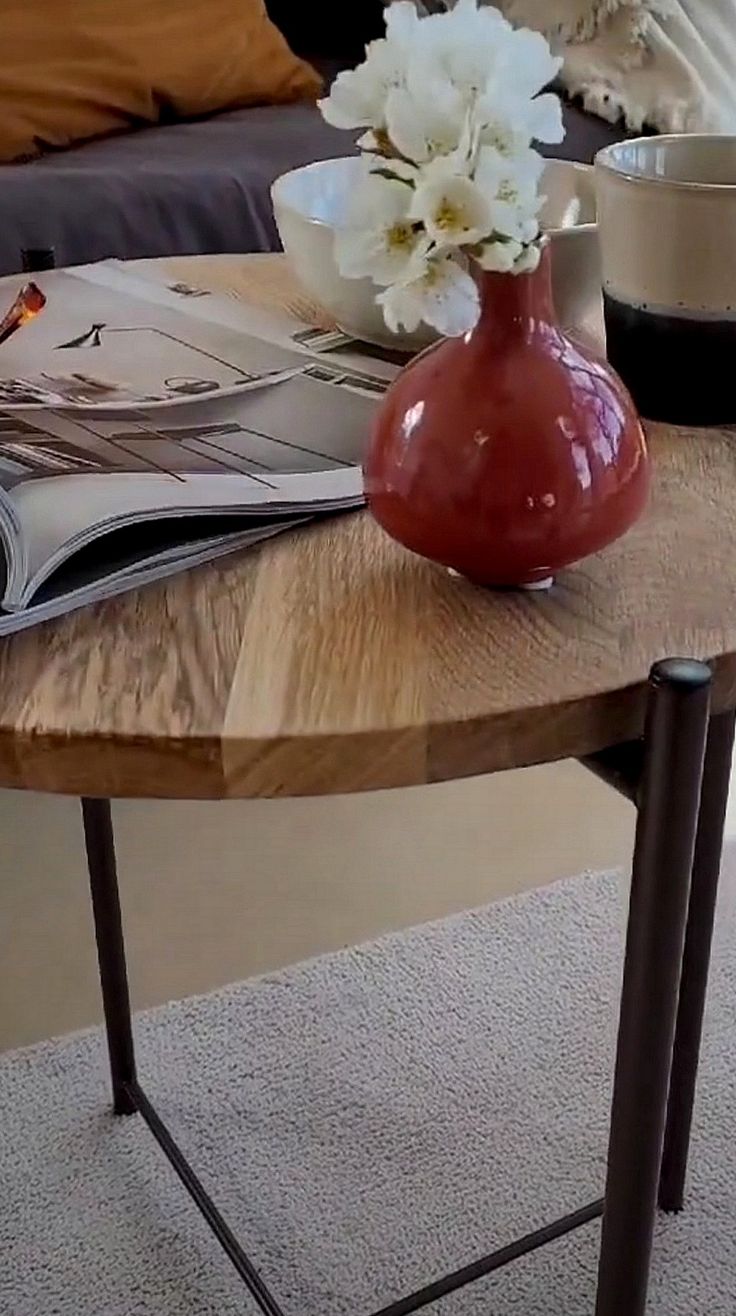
<point x="662" y="862"/>
<point x="103" y="879"/>
<point x="669" y="932"/>
<point x="675" y="736"/>
<point x="128" y="1095"/>
<point x="696" y="959"/>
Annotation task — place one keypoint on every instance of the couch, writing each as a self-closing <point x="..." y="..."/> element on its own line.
<point x="202" y="186"/>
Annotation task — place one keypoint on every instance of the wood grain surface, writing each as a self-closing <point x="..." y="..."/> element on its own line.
<point x="331" y="660"/>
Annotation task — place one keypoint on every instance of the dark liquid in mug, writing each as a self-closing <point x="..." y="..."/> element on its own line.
<point x="677" y="368"/>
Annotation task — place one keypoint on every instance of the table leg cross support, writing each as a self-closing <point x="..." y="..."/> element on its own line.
<point x="659" y="1013"/>
<point x="222" y="1231"/>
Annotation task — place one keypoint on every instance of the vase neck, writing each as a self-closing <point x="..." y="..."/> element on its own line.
<point x="517" y="303"/>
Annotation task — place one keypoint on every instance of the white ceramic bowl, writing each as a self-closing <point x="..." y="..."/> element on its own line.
<point x="310" y="203"/>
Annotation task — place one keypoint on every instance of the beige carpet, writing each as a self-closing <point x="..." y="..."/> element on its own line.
<point x="366" y="1121"/>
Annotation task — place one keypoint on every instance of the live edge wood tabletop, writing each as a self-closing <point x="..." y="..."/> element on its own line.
<point x="331" y="660"/>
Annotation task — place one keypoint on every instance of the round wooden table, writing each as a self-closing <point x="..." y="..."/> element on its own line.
<point x="330" y="660"/>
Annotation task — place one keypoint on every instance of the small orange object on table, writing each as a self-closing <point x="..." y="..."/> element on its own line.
<point x="28" y="303"/>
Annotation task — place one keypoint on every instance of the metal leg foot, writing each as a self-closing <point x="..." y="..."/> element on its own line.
<point x="674" y="749"/>
<point x="696" y="959"/>
<point x="98" y="837"/>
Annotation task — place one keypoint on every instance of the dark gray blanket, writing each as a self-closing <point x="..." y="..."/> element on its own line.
<point x="175" y="190"/>
<point x="182" y="189"/>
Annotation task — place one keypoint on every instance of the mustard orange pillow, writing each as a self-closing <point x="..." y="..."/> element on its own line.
<point x="75" y="69"/>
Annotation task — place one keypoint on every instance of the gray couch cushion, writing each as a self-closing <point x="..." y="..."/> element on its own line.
<point x="173" y="190"/>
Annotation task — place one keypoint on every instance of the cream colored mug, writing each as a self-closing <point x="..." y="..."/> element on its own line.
<point x="667" y="229"/>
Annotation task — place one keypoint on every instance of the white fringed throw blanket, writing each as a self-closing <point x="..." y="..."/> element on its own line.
<point x="668" y="65"/>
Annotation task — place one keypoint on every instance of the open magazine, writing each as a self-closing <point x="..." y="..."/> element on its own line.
<point x="212" y="427"/>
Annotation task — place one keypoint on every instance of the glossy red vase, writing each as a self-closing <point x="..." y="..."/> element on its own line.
<point x="511" y="452"/>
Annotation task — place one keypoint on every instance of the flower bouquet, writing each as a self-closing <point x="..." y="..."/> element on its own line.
<point x="451" y="103"/>
<point x="506" y="450"/>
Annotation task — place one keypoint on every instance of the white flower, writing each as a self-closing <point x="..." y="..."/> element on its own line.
<point x="529" y="259"/>
<point x="380" y="241"/>
<point x="510" y="125"/>
<point x="354" y="100"/>
<point x="422" y="128"/>
<point x="496" y="129"/>
<point x="476" y="51"/>
<point x="402" y="24"/>
<point x="500" y="256"/>
<point x="526" y="64"/>
<point x="461" y="47"/>
<point x="453" y="209"/>
<point x="451" y="103"/>
<point x="357" y="97"/>
<point x="445" y="296"/>
<point x="511" y="185"/>
<point x="542" y="118"/>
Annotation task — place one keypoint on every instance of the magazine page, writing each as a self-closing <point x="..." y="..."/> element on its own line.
<point x="68" y="477"/>
<point x="149" y="281"/>
<point x="79" y="343"/>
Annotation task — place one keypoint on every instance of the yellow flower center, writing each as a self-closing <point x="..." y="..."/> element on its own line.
<point x="431" y="276"/>
<point x="448" y="216"/>
<point x="500" y="137"/>
<point x="508" y="191"/>
<point x="400" y="236"/>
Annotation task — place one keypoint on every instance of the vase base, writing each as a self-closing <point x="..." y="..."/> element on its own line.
<point x="544" y="584"/>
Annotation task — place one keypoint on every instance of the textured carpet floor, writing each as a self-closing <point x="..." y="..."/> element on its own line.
<point x="366" y="1121"/>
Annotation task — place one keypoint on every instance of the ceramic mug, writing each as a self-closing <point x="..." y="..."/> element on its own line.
<point x="667" y="228"/>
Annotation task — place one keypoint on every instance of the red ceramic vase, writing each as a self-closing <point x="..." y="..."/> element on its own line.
<point x="510" y="452"/>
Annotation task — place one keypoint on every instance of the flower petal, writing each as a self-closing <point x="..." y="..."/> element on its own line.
<point x="402" y="23"/>
<point x="446" y="297"/>
<point x="401" y="309"/>
<point x="353" y="102"/>
<point x="420" y="130"/>
<point x="453" y="210"/>
<point x="543" y="119"/>
<point x="379" y="240"/>
<point x="528" y="62"/>
<point x="377" y="200"/>
<point x="528" y="260"/>
<point x="499" y="256"/>
<point x="452" y="301"/>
